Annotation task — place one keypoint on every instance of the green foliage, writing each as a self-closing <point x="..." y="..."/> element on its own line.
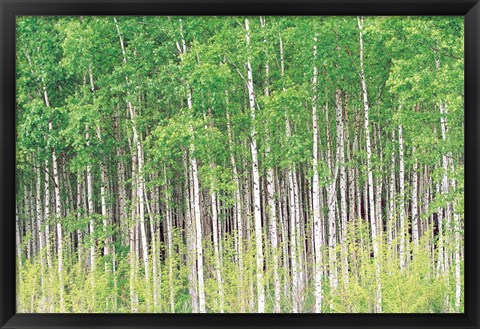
<point x="130" y="102"/>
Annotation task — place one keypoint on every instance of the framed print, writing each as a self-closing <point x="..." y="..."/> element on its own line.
<point x="245" y="164"/>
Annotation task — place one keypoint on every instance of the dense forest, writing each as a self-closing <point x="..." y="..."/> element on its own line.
<point x="240" y="164"/>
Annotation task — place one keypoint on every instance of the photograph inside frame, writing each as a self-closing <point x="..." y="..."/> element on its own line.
<point x="233" y="164"/>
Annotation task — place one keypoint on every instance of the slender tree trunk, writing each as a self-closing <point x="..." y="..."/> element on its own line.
<point x="331" y="204"/>
<point x="121" y="177"/>
<point x="238" y="211"/>
<point x="415" y="234"/>
<point x="39" y="217"/>
<point x="18" y="244"/>
<point x="401" y="211"/>
<point x="47" y="214"/>
<point x="391" y="223"/>
<point x="169" y="245"/>
<point x="375" y="240"/>
<point x="58" y="211"/>
<point x="190" y="228"/>
<point x="140" y="178"/>
<point x="197" y="218"/>
<point x="103" y="177"/>
<point x="317" y="216"/>
<point x="343" y="187"/>
<point x="80" y="210"/>
<point x="293" y="243"/>
<point x="156" y="273"/>
<point x="256" y="184"/>
<point x="91" y="212"/>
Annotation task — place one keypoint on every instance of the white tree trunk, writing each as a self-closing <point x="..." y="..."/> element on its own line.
<point x="415" y="234"/>
<point x="18" y="244"/>
<point x="375" y="240"/>
<point x="47" y="214"/>
<point x="198" y="229"/>
<point x="140" y="178"/>
<point x="103" y="176"/>
<point x="317" y="220"/>
<point x="401" y="211"/>
<point x="391" y="223"/>
<point x="58" y="211"/>
<point x="190" y="228"/>
<point x="169" y="246"/>
<point x="238" y="211"/>
<point x="256" y="184"/>
<point x="331" y="205"/>
<point x="197" y="216"/>
<point x="91" y="211"/>
<point x="343" y="187"/>
<point x="39" y="217"/>
<point x="293" y="243"/>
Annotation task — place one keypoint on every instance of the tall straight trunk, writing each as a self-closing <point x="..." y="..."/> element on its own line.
<point x="216" y="229"/>
<point x="141" y="208"/>
<point x="456" y="247"/>
<point x="356" y="171"/>
<point x="401" y="211"/>
<point x="293" y="210"/>
<point x="169" y="244"/>
<point x="134" y="303"/>
<point x="317" y="216"/>
<point x="300" y="242"/>
<point x="58" y="210"/>
<point x="103" y="176"/>
<point x="195" y="199"/>
<point x="120" y="177"/>
<point x="379" y="184"/>
<point x="456" y="225"/>
<point x="91" y="211"/>
<point x="256" y="183"/>
<point x="156" y="272"/>
<point x="80" y="200"/>
<point x="218" y="269"/>
<point x="445" y="185"/>
<point x="47" y="182"/>
<point x="293" y="243"/>
<point x="238" y="210"/>
<point x="198" y="231"/>
<point x="331" y="205"/>
<point x="39" y="217"/>
<point x="350" y="170"/>
<point x="247" y="196"/>
<point x="375" y="240"/>
<point x="197" y="217"/>
<point x="18" y="242"/>
<point x="140" y="178"/>
<point x="271" y="208"/>
<point x="47" y="214"/>
<point x="391" y="221"/>
<point x="58" y="215"/>
<point x="415" y="234"/>
<point x="26" y="221"/>
<point x="190" y="228"/>
<point x="343" y="187"/>
<point x="284" y="232"/>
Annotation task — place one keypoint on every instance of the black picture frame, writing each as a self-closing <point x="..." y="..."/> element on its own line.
<point x="9" y="9"/>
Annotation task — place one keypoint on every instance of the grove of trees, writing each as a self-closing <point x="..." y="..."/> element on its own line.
<point x="239" y="164"/>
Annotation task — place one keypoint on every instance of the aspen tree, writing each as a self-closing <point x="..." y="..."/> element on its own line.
<point x="317" y="219"/>
<point x="256" y="183"/>
<point x="401" y="211"/>
<point x="375" y="241"/>
<point x="343" y="186"/>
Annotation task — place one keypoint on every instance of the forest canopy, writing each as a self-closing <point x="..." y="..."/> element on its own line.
<point x="239" y="164"/>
